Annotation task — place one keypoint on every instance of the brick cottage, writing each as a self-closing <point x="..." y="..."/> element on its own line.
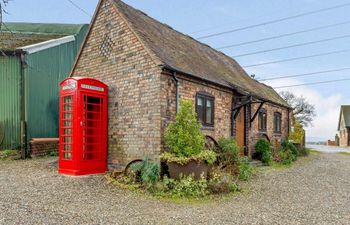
<point x="344" y="127"/>
<point x="148" y="67"/>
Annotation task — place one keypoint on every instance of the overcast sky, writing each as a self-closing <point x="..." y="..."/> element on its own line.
<point x="201" y="17"/>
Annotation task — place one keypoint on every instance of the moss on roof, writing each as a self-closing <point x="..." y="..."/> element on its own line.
<point x="12" y="41"/>
<point x="44" y="28"/>
<point x="15" y="35"/>
<point x="182" y="53"/>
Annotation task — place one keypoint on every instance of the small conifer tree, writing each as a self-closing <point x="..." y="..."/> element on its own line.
<point x="183" y="137"/>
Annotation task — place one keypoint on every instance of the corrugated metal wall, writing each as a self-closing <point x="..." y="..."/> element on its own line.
<point x="45" y="70"/>
<point x="43" y="73"/>
<point x="10" y="102"/>
<point x="79" y="38"/>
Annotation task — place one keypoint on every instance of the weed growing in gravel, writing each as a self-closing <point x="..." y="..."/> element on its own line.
<point x="304" y="152"/>
<point x="7" y="154"/>
<point x="245" y="169"/>
<point x="344" y="153"/>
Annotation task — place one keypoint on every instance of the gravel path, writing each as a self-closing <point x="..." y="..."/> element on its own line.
<point x="314" y="191"/>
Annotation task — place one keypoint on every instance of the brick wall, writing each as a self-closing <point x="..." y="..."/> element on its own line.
<point x="344" y="137"/>
<point x="133" y="81"/>
<point x="223" y="105"/>
<point x="187" y="90"/>
<point x="43" y="146"/>
<point x="254" y="134"/>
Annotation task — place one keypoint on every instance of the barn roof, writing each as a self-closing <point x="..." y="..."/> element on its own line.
<point x="345" y="112"/>
<point x="182" y="53"/>
<point x="16" y="35"/>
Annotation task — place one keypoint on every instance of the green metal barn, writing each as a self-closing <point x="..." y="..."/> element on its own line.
<point x="34" y="59"/>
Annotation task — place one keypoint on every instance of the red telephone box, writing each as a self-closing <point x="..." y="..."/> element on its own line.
<point x="83" y="126"/>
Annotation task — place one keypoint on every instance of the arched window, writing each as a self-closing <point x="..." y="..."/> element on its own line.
<point x="205" y="108"/>
<point x="277" y="122"/>
<point x="262" y="120"/>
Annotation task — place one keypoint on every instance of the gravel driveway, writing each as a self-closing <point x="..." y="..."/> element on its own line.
<point x="314" y="191"/>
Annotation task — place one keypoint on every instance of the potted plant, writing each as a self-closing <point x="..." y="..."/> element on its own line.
<point x="185" y="142"/>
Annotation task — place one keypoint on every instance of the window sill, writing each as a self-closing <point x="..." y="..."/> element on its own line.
<point x="207" y="127"/>
<point x="277" y="134"/>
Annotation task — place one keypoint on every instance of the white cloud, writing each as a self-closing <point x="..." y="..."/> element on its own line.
<point x="327" y="107"/>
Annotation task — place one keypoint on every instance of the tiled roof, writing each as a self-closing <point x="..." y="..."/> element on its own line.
<point x="345" y="112"/>
<point x="182" y="53"/>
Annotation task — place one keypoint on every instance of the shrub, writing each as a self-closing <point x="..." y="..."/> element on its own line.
<point x="5" y="154"/>
<point x="263" y="151"/>
<point x="183" y="137"/>
<point x="186" y="187"/>
<point x="206" y="155"/>
<point x="304" y="152"/>
<point x="290" y="146"/>
<point x="52" y="153"/>
<point x="221" y="183"/>
<point x="230" y="151"/>
<point x="146" y="172"/>
<point x="285" y="156"/>
<point x="245" y="169"/>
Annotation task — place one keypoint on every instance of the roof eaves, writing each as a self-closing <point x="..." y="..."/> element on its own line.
<point x="228" y="86"/>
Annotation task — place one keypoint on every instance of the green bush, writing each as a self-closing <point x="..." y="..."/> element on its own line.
<point x="221" y="183"/>
<point x="287" y="153"/>
<point x="206" y="155"/>
<point x="263" y="151"/>
<point x="245" y="169"/>
<point x="304" y="152"/>
<point x="52" y="153"/>
<point x="291" y="147"/>
<point x="5" y="154"/>
<point x="147" y="172"/>
<point x="285" y="156"/>
<point x="230" y="151"/>
<point x="183" y="137"/>
<point x="187" y="187"/>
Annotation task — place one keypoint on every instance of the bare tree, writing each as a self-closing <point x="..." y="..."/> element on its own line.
<point x="303" y="111"/>
<point x="3" y="4"/>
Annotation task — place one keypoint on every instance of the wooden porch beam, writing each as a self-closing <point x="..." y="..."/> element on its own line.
<point x="257" y="111"/>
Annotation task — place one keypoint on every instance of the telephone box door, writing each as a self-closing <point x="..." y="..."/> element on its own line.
<point x="93" y="131"/>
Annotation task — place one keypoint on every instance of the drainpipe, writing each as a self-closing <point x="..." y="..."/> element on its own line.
<point x="232" y="118"/>
<point x="23" y="114"/>
<point x="177" y="90"/>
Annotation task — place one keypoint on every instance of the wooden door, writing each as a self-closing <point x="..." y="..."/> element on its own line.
<point x="240" y="121"/>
